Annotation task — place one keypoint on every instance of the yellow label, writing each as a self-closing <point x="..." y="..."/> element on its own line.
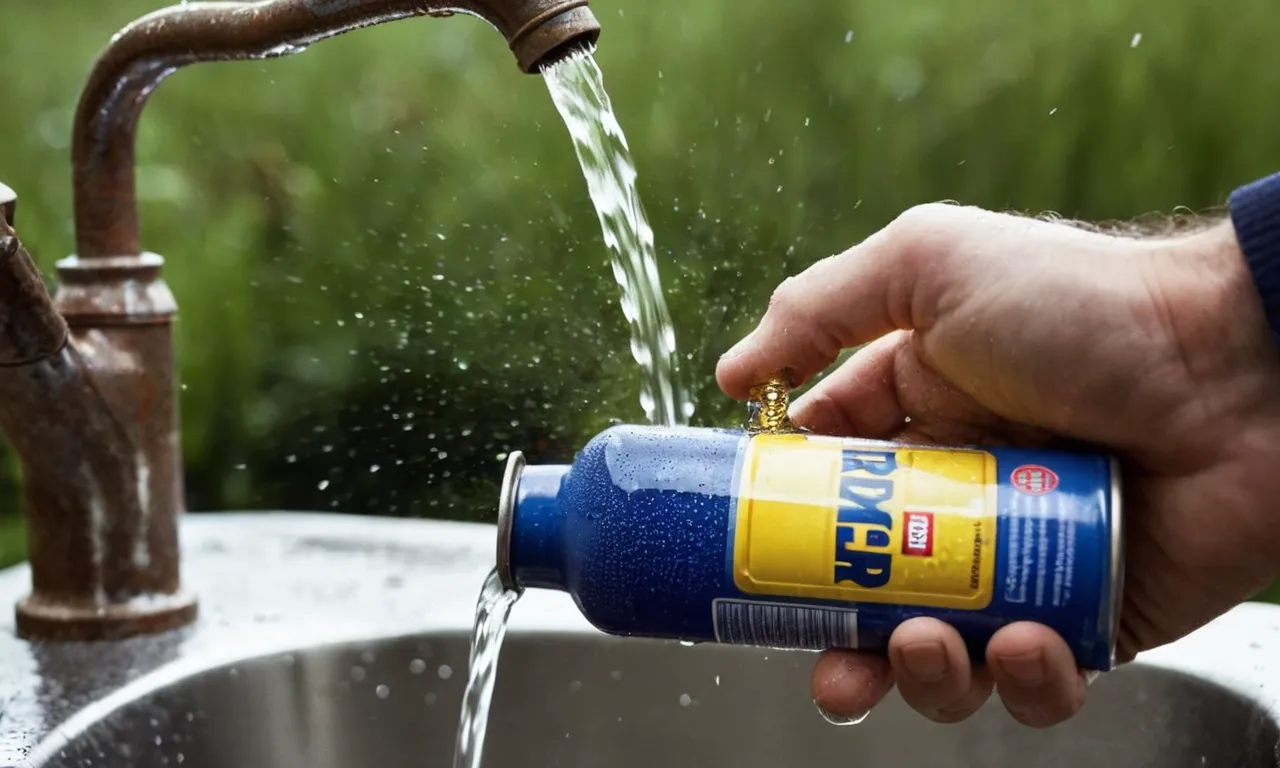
<point x="872" y="522"/>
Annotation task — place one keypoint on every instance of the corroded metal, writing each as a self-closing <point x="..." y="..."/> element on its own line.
<point x="30" y="328"/>
<point x="87" y="384"/>
<point x="94" y="432"/>
<point x="767" y="408"/>
<point x="153" y="47"/>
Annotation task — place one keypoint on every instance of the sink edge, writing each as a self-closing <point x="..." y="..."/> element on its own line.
<point x="411" y="577"/>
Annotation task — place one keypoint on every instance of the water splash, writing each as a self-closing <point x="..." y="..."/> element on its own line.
<point x="577" y="88"/>
<point x="492" y="611"/>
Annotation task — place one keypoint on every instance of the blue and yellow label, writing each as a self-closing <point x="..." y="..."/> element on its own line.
<point x="865" y="521"/>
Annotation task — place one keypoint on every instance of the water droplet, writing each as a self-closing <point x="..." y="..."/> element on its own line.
<point x="382" y="691"/>
<point x="848" y="36"/>
<point x="616" y="674"/>
<point x="575" y="686"/>
<point x="687" y="643"/>
<point x="357" y="674"/>
<point x="430" y="698"/>
<point x="1137" y="38"/>
<point x="685" y="699"/>
<point x="1052" y="111"/>
<point x="445" y="671"/>
<point x="717" y="680"/>
<point x="417" y="667"/>
<point x="322" y="485"/>
<point x="374" y="468"/>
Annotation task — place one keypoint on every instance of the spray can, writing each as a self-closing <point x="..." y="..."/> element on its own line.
<point x="791" y="540"/>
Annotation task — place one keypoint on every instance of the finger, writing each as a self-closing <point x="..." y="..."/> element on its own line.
<point x="933" y="671"/>
<point x="876" y="391"/>
<point x="850" y="299"/>
<point x="860" y="398"/>
<point x="848" y="683"/>
<point x="1035" y="674"/>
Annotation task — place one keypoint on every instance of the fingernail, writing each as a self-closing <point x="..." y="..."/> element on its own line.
<point x="926" y="661"/>
<point x="1025" y="669"/>
<point x="835" y="719"/>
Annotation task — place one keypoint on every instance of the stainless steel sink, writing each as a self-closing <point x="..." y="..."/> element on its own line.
<point x="357" y="658"/>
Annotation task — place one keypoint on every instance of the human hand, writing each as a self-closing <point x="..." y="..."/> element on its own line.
<point x="986" y="328"/>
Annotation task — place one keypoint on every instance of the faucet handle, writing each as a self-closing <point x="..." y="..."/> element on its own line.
<point x="30" y="327"/>
<point x="8" y="203"/>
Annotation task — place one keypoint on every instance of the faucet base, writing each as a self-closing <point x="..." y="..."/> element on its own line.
<point x="41" y="621"/>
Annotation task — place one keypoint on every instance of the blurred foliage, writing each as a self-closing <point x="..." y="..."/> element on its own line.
<point x="389" y="271"/>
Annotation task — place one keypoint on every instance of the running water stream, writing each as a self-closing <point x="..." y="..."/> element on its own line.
<point x="492" y="611"/>
<point x="577" y="88"/>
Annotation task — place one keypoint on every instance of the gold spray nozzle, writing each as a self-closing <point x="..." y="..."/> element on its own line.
<point x="767" y="409"/>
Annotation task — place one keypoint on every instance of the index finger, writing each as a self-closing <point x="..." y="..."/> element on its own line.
<point x="843" y="301"/>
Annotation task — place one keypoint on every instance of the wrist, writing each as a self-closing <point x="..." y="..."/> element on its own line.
<point x="1255" y="217"/>
<point x="1217" y="328"/>
<point x="1215" y="313"/>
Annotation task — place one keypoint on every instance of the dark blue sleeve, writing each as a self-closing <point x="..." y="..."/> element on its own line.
<point x="1255" y="212"/>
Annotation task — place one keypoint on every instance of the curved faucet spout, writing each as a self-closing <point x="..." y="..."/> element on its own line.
<point x="87" y="385"/>
<point x="145" y="52"/>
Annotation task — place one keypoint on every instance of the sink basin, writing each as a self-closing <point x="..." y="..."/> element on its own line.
<point x="361" y="660"/>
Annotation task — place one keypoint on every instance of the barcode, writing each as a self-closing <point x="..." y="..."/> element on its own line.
<point x="777" y="625"/>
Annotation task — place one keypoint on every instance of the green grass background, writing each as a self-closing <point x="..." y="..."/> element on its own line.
<point x="385" y="256"/>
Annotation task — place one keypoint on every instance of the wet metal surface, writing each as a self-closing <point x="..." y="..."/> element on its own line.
<point x="30" y="328"/>
<point x="335" y="642"/>
<point x="267" y="583"/>
<point x="93" y="422"/>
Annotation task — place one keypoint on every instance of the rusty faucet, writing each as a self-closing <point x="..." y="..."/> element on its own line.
<point x="87" y="384"/>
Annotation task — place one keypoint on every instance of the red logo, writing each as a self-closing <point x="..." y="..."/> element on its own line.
<point x="917" y="534"/>
<point x="1034" y="479"/>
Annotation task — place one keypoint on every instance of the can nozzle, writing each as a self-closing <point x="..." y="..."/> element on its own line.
<point x="767" y="408"/>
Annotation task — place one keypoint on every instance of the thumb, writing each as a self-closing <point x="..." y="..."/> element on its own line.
<point x="890" y="281"/>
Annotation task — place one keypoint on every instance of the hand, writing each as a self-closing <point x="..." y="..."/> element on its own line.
<point x="985" y="328"/>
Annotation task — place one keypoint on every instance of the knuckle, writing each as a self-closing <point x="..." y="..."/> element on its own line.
<point x="787" y="298"/>
<point x="921" y="231"/>
<point x="923" y="217"/>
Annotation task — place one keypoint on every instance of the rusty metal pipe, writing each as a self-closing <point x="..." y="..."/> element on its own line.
<point x="101" y="529"/>
<point x="30" y="328"/>
<point x="87" y="384"/>
<point x="153" y="47"/>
